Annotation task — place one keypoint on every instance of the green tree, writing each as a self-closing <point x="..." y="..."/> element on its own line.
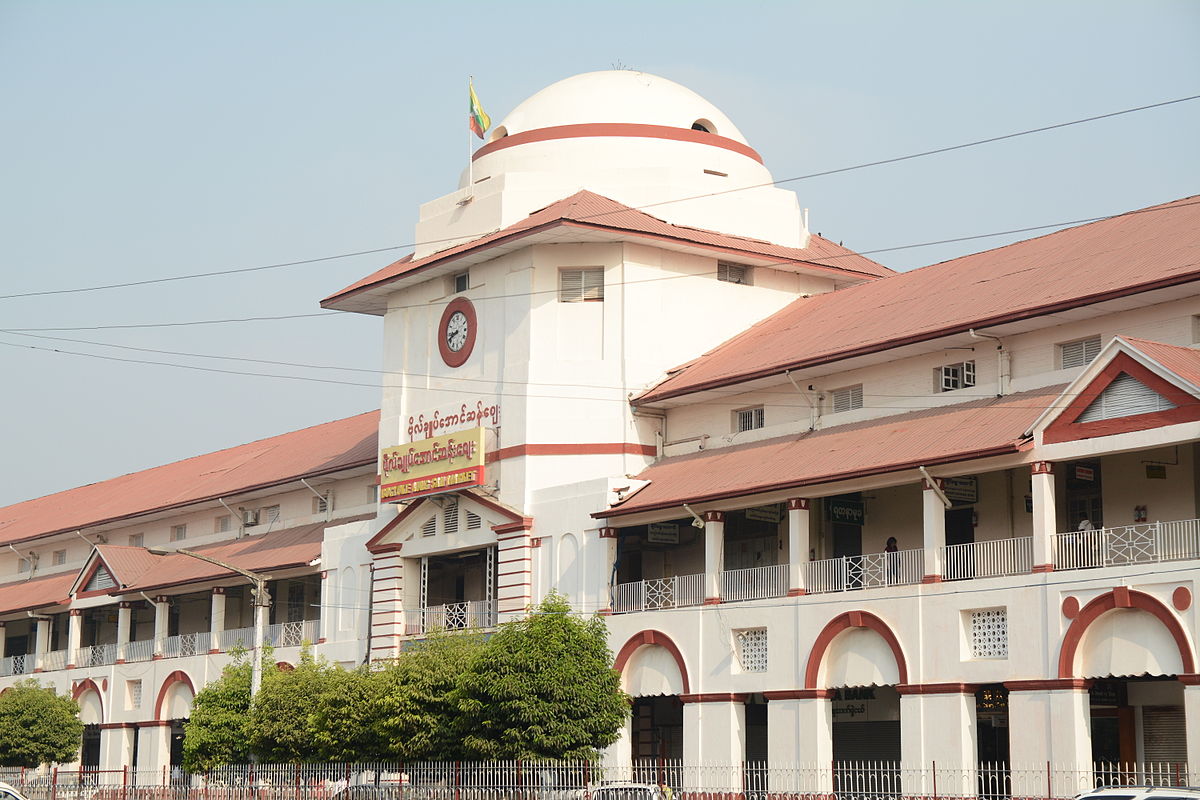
<point x="280" y="730"/>
<point x="37" y="726"/>
<point x="543" y="687"/>
<point x="347" y="720"/>
<point x="218" y="731"/>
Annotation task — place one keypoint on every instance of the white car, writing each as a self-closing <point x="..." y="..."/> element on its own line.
<point x="627" y="791"/>
<point x="1141" y="793"/>
<point x="7" y="792"/>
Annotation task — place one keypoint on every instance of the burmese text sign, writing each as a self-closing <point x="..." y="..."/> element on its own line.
<point x="441" y="464"/>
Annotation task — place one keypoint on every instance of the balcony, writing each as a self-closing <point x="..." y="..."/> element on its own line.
<point x="679" y="591"/>
<point x="1147" y="543"/>
<point x="992" y="559"/>
<point x="16" y="665"/>
<point x="96" y="655"/>
<point x="867" y="571"/>
<point x="467" y="615"/>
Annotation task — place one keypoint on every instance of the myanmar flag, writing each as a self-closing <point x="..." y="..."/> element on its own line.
<point x="480" y="121"/>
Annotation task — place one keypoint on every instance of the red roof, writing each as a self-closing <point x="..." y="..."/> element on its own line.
<point x="1131" y="253"/>
<point x="126" y="564"/>
<point x="589" y="210"/>
<point x="47" y="590"/>
<point x="1183" y="361"/>
<point x="977" y="429"/>
<point x="319" y="450"/>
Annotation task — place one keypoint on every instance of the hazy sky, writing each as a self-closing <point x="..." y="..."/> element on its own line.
<point x="142" y="140"/>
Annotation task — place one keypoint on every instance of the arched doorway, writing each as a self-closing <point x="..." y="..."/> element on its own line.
<point x="654" y="675"/>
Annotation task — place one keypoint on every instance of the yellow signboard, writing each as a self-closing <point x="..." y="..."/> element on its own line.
<point x="430" y="466"/>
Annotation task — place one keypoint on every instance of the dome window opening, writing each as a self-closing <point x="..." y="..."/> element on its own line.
<point x="704" y="125"/>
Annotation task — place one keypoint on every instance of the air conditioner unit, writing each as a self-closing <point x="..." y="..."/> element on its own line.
<point x="249" y="516"/>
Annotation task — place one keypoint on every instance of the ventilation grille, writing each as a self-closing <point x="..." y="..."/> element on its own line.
<point x="101" y="580"/>
<point x="474" y="521"/>
<point x="733" y="273"/>
<point x="1078" y="354"/>
<point x="1125" y="397"/>
<point x="430" y="527"/>
<point x="580" y="285"/>
<point x="847" y="399"/>
<point x="450" y="517"/>
<point x="989" y="633"/>
<point x="752" y="649"/>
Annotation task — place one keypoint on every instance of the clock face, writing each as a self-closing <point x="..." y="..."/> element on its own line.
<point x="456" y="332"/>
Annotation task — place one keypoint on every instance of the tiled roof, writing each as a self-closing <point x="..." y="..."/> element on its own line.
<point x="591" y="210"/>
<point x="977" y="429"/>
<point x="47" y="590"/>
<point x="126" y="564"/>
<point x="318" y="450"/>
<point x="1183" y="361"/>
<point x="1123" y="255"/>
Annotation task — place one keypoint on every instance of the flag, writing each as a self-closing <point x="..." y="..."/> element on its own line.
<point x="480" y="121"/>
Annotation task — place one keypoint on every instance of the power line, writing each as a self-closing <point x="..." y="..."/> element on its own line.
<point x="838" y="170"/>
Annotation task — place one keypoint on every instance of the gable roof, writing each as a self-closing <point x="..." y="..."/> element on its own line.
<point x="588" y="210"/>
<point x="978" y="429"/>
<point x="319" y="450"/>
<point x="27" y="595"/>
<point x="1183" y="361"/>
<point x="124" y="564"/>
<point x="1135" y="252"/>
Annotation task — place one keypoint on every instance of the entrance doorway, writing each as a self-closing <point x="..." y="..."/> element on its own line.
<point x="89" y="756"/>
<point x="1084" y="500"/>
<point x="657" y="728"/>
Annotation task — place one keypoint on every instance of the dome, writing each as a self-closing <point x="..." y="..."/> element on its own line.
<point x="617" y="96"/>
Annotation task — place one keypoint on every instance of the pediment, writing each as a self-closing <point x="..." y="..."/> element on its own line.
<point x="446" y="517"/>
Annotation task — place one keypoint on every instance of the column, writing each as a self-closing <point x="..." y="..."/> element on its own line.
<point x="608" y="563"/>
<point x="74" y="636"/>
<point x="124" y="623"/>
<point x="41" y="643"/>
<point x="798" y="544"/>
<point x="1045" y="524"/>
<point x="388" y="617"/>
<point x="1051" y="721"/>
<point x="800" y="732"/>
<point x="714" y="555"/>
<point x="116" y="746"/>
<point x="714" y="732"/>
<point x="154" y="746"/>
<point x="618" y="756"/>
<point x="514" y="570"/>
<point x="539" y="585"/>
<point x="161" y="625"/>
<point x="938" y="726"/>
<point x="3" y="643"/>
<point x="217" y="616"/>
<point x="326" y="615"/>
<point x="1191" y="713"/>
<point x="935" y="531"/>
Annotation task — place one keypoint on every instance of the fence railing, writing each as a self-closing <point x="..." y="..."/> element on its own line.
<point x="867" y="571"/>
<point x="290" y="634"/>
<point x="468" y="615"/>
<point x="141" y="650"/>
<point x="677" y="591"/>
<point x="755" y="583"/>
<point x="16" y="665"/>
<point x="987" y="559"/>
<point x="1127" y="544"/>
<point x="185" y="644"/>
<point x="55" y="659"/>
<point x="95" y="655"/>
<point x="235" y="637"/>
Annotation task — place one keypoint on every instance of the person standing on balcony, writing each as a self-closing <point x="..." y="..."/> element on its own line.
<point x="893" y="560"/>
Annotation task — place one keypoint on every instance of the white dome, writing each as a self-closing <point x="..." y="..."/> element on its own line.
<point x="616" y="96"/>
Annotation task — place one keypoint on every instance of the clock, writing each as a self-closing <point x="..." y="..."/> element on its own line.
<point x="456" y="332"/>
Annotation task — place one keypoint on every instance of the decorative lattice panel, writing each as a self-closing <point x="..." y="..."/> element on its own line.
<point x="989" y="633"/>
<point x="752" y="649"/>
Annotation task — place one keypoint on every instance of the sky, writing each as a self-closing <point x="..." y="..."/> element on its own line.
<point x="141" y="140"/>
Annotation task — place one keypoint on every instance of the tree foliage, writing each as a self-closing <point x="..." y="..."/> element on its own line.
<point x="37" y="726"/>
<point x="280" y="730"/>
<point x="218" y="731"/>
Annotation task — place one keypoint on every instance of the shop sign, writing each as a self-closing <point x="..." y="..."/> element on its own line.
<point x="850" y="512"/>
<point x="662" y="533"/>
<point x="963" y="490"/>
<point x="1084" y="473"/>
<point x="432" y="466"/>
<point x="860" y="705"/>
<point x="769" y="513"/>
<point x="479" y="413"/>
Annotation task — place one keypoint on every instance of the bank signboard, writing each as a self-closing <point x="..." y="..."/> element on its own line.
<point x="444" y="463"/>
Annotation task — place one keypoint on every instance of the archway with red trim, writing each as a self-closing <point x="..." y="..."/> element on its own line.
<point x="842" y="623"/>
<point x="660" y="639"/>
<point x="1122" y="597"/>
<point x="88" y="685"/>
<point x="178" y="676"/>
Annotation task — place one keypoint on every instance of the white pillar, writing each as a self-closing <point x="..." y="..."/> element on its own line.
<point x="800" y="732"/>
<point x="1051" y="725"/>
<point x="618" y="756"/>
<point x="3" y="637"/>
<point x="938" y="726"/>
<point x="154" y="748"/>
<point x="124" y="622"/>
<point x="714" y="555"/>
<point x="162" y="611"/>
<point x="714" y="733"/>
<point x="799" y="535"/>
<point x="74" y="635"/>
<point x="935" y="532"/>
<point x="607" y="579"/>
<point x="1045" y="522"/>
<point x="41" y="643"/>
<point x="327" y="615"/>
<point x="116" y="748"/>
<point x="216" y="615"/>
<point x="1191" y="713"/>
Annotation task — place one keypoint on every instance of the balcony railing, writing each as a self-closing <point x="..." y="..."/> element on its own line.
<point x="289" y="634"/>
<point x="235" y="637"/>
<point x="142" y="650"/>
<point x="655" y="593"/>
<point x="467" y="615"/>
<point x="1129" y="544"/>
<point x="185" y="644"/>
<point x="16" y="665"/>
<point x="755" y="583"/>
<point x="55" y="659"/>
<point x="987" y="559"/>
<point x="96" y="655"/>
<point x="864" y="572"/>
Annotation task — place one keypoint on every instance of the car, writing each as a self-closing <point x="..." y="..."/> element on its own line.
<point x="628" y="791"/>
<point x="1141" y="793"/>
<point x="8" y="792"/>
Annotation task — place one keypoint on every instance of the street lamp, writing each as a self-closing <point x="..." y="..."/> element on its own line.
<point x="262" y="601"/>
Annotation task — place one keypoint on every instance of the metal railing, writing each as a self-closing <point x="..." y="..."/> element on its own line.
<point x="55" y="659"/>
<point x="185" y="644"/>
<point x="16" y="665"/>
<point x="755" y="583"/>
<point x="141" y="650"/>
<point x="1143" y="543"/>
<point x="678" y="591"/>
<point x="290" y="634"/>
<point x="867" y="571"/>
<point x="467" y="615"/>
<point x="96" y="655"/>
<point x="235" y="637"/>
<point x="987" y="559"/>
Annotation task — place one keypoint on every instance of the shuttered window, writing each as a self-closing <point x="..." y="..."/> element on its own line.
<point x="473" y="521"/>
<point x="581" y="285"/>
<point x="450" y="517"/>
<point x="1125" y="397"/>
<point x="1163" y="735"/>
<point x="100" y="580"/>
<point x="954" y="376"/>
<point x="848" y="398"/>
<point x="1078" y="354"/>
<point x="734" y="273"/>
<point x="430" y="527"/>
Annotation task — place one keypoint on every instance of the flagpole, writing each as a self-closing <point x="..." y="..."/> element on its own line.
<point x="470" y="148"/>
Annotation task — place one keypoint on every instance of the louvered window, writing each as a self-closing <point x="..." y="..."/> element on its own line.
<point x="222" y="524"/>
<point x="847" y="399"/>
<point x="430" y="527"/>
<point x="747" y="419"/>
<point x="101" y="579"/>
<point x="1078" y="354"/>
<point x="581" y="285"/>
<point x="323" y="503"/>
<point x="450" y="517"/>
<point x="474" y="521"/>
<point x="268" y="515"/>
<point x="734" y="273"/>
<point x="60" y="557"/>
<point x="1125" y="397"/>
<point x="955" y="376"/>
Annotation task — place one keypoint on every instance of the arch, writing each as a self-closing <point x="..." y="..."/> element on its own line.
<point x="568" y="565"/>
<point x="178" y="676"/>
<point x="348" y="593"/>
<point x="845" y="622"/>
<point x="83" y="687"/>
<point x="1122" y="597"/>
<point x="660" y="639"/>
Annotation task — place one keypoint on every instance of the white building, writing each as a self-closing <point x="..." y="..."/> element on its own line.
<point x="700" y="418"/>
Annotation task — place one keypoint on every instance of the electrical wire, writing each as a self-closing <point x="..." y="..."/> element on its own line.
<point x="823" y="173"/>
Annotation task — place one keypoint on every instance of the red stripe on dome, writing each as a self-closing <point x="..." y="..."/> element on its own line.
<point x="628" y="129"/>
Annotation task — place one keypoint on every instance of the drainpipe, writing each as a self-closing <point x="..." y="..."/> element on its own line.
<point x="815" y="416"/>
<point x="328" y="505"/>
<point x="1002" y="361"/>
<point x="660" y="436"/>
<point x="934" y="486"/>
<point x="240" y="518"/>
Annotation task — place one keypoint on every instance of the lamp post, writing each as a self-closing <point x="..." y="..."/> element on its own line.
<point x="262" y="601"/>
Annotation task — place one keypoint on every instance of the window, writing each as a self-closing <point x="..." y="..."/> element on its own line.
<point x="751" y="645"/>
<point x="268" y="515"/>
<point x="60" y="557"/>
<point x="322" y="504"/>
<point x="954" y="376"/>
<point x="430" y="527"/>
<point x="747" y="419"/>
<point x="847" y="399"/>
<point x="178" y="533"/>
<point x="581" y="285"/>
<point x="462" y="282"/>
<point x="450" y="516"/>
<point x="222" y="524"/>
<point x="989" y="633"/>
<point x="1125" y="397"/>
<point x="474" y="521"/>
<point x="133" y="694"/>
<point x="137" y="539"/>
<point x="1078" y="354"/>
<point x="734" y="273"/>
